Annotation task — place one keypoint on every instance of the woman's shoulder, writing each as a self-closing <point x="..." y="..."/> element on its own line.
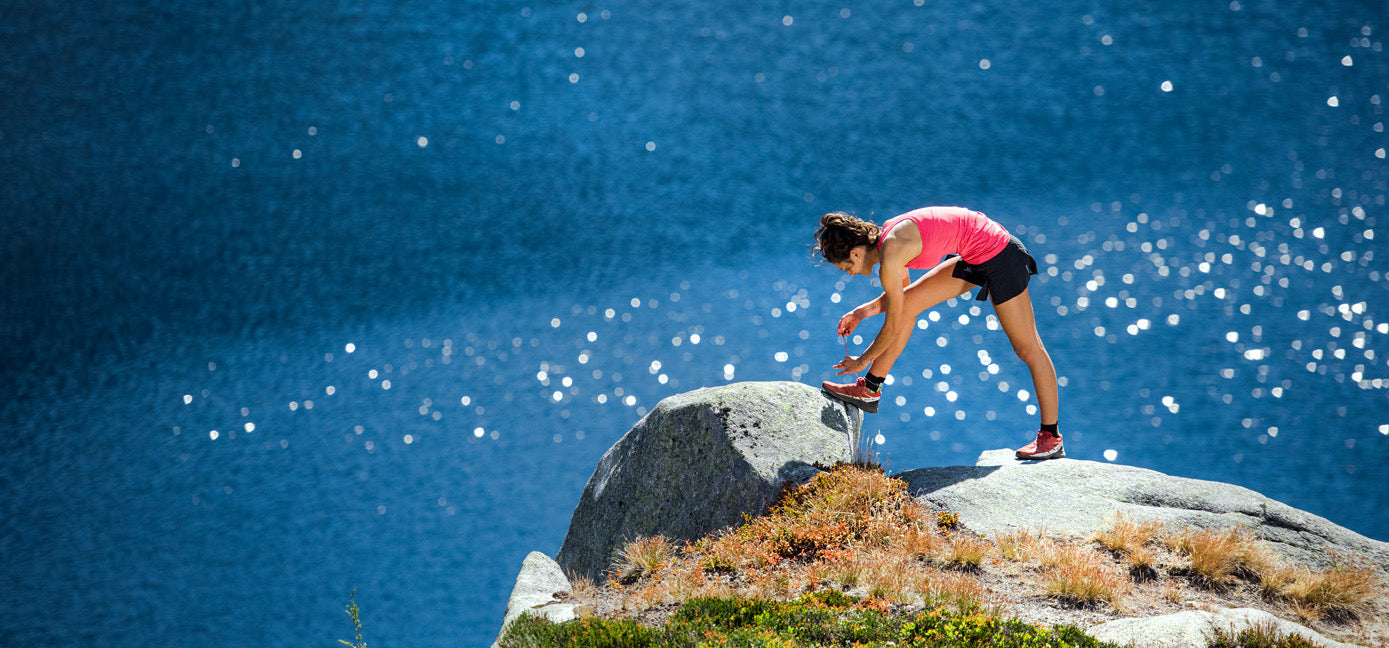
<point x="901" y="235"/>
<point x="898" y="225"/>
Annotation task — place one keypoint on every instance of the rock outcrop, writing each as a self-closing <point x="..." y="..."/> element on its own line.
<point x="1198" y="629"/>
<point x="1070" y="497"/>
<point x="541" y="588"/>
<point x="702" y="459"/>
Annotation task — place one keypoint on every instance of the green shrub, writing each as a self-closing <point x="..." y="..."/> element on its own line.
<point x="824" y="618"/>
<point x="531" y="631"/>
<point x="1260" y="636"/>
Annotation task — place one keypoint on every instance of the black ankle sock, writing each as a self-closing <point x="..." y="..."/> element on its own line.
<point x="1052" y="428"/>
<point x="873" y="383"/>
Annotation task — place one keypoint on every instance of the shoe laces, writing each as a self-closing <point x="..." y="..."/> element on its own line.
<point x="845" y="339"/>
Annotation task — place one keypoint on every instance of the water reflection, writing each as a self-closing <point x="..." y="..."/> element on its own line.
<point x="1117" y="278"/>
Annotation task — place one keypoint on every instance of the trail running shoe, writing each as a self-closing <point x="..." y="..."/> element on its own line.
<point x="1045" y="446"/>
<point x="856" y="394"/>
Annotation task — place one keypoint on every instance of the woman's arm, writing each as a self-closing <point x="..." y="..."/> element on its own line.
<point x="900" y="246"/>
<point x="868" y="309"/>
<point x="893" y="299"/>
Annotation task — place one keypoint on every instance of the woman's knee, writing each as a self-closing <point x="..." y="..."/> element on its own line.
<point x="1031" y="351"/>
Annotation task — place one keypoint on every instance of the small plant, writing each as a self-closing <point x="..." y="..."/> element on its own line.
<point x="642" y="557"/>
<point x="1142" y="564"/>
<point x="1260" y="636"/>
<point x="1078" y="575"/>
<point x="1125" y="536"/>
<point x="1018" y="545"/>
<point x="1216" y="557"/>
<point x="846" y="506"/>
<point x="581" y="586"/>
<point x="355" y="613"/>
<point x="919" y="542"/>
<point x="1342" y="592"/>
<point x="959" y="592"/>
<point x="531" y="631"/>
<point x="966" y="551"/>
<point x="865" y="456"/>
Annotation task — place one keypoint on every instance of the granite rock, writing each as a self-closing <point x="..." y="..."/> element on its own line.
<point x="541" y="588"/>
<point x="1198" y="628"/>
<point x="701" y="460"/>
<point x="1076" y="498"/>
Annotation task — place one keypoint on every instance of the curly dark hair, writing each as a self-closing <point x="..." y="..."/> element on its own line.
<point x="839" y="233"/>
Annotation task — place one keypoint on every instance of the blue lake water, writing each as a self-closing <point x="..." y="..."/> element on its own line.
<point x="302" y="298"/>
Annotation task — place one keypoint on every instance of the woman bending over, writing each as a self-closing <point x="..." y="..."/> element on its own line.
<point x="961" y="250"/>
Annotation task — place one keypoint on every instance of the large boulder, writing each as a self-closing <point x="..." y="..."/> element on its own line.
<point x="1199" y="629"/>
<point x="700" y="461"/>
<point x="1069" y="497"/>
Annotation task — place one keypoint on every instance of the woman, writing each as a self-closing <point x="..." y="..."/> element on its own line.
<point x="961" y="249"/>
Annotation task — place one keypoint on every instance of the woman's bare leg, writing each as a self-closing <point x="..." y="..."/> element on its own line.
<point x="1019" y="322"/>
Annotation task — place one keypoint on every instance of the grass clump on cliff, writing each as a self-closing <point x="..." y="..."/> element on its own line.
<point x="1343" y="592"/>
<point x="1219" y="558"/>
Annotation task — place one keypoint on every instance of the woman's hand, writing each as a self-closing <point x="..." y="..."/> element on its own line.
<point x="851" y="364"/>
<point x="849" y="322"/>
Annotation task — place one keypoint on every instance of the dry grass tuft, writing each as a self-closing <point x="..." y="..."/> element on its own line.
<point x="918" y="542"/>
<point x="1218" y="556"/>
<point x="892" y="576"/>
<point x="959" y="592"/>
<point x="581" y="589"/>
<point x="1125" y="536"/>
<point x="1143" y="564"/>
<point x="1342" y="592"/>
<point x="1019" y="545"/>
<point x="1274" y="578"/>
<point x="967" y="551"/>
<point x="1080" y="575"/>
<point x="1130" y="540"/>
<point x="642" y="557"/>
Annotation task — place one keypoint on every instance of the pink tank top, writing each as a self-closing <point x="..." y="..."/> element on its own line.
<point x="951" y="230"/>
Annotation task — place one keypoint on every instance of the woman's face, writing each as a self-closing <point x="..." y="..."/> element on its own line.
<point x="857" y="263"/>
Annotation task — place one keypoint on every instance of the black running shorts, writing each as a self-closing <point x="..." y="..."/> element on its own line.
<point x="1004" y="276"/>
